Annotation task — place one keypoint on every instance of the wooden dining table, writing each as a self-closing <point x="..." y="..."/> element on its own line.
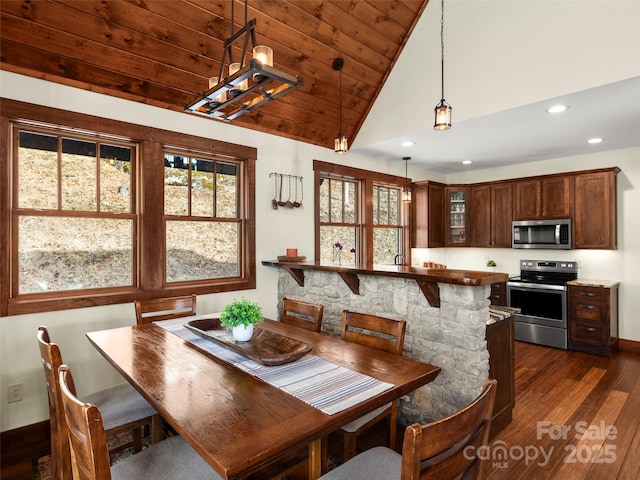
<point x="238" y="423"/>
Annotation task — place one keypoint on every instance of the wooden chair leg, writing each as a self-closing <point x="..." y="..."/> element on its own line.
<point x="136" y="434"/>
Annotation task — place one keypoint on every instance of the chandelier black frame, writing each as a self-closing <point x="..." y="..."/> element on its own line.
<point x="268" y="84"/>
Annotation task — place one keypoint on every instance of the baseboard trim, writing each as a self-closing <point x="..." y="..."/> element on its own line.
<point x="629" y="345"/>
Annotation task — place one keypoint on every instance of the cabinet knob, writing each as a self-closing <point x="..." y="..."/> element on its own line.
<point x="587" y="294"/>
<point x="589" y="329"/>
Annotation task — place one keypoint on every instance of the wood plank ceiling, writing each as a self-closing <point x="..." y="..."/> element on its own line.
<point x="161" y="52"/>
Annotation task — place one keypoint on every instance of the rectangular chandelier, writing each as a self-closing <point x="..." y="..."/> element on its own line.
<point x="248" y="86"/>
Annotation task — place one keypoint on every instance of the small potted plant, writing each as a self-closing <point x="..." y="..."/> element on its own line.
<point x="492" y="265"/>
<point x="240" y="316"/>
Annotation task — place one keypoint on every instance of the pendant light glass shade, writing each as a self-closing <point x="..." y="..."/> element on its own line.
<point x="406" y="194"/>
<point x="443" y="116"/>
<point x="240" y="87"/>
<point x="341" y="144"/>
<point x="220" y="99"/>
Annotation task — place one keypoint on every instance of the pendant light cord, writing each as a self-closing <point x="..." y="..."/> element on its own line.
<point x="442" y="47"/>
<point x="340" y="134"/>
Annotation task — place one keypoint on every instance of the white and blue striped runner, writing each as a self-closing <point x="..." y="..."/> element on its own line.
<point x="328" y="387"/>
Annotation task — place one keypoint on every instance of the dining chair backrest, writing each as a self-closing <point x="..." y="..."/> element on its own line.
<point x="157" y="309"/>
<point x="379" y="332"/>
<point x="448" y="448"/>
<point x="301" y="314"/>
<point x="51" y="361"/>
<point x="86" y="433"/>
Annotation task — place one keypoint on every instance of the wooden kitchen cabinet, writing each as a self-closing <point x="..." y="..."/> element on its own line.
<point x="593" y="317"/>
<point x="456" y="217"/>
<point x="490" y="215"/>
<point x="543" y="198"/>
<point x="498" y="294"/>
<point x="428" y="215"/>
<point x="595" y="223"/>
<point x="500" y="343"/>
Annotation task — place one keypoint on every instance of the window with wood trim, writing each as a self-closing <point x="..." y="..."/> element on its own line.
<point x="387" y="224"/>
<point x="340" y="227"/>
<point x="361" y="210"/>
<point x="96" y="213"/>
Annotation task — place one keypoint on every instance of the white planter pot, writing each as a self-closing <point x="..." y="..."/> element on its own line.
<point x="242" y="333"/>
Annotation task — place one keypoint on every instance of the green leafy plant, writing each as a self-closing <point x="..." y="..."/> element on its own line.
<point x="240" y="312"/>
<point x="491" y="263"/>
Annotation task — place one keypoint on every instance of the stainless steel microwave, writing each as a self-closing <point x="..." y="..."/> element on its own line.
<point x="550" y="234"/>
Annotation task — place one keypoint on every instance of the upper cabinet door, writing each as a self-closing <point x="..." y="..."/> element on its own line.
<point x="501" y="214"/>
<point x="456" y="215"/>
<point x="543" y="198"/>
<point x="595" y="210"/>
<point x="428" y="207"/>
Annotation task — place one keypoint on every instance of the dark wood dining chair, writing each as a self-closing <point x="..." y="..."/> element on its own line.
<point x="301" y="314"/>
<point x="442" y="450"/>
<point x="170" y="459"/>
<point x="124" y="411"/>
<point x="384" y="334"/>
<point x="157" y="309"/>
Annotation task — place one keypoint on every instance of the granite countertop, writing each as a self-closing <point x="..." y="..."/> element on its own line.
<point x="497" y="313"/>
<point x="593" y="283"/>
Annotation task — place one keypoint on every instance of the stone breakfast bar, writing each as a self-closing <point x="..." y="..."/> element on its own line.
<point x="449" y="324"/>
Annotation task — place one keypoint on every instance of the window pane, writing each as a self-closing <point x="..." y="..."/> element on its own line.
<point x="226" y="190"/>
<point x="202" y="187"/>
<point x="176" y="185"/>
<point x="394" y="206"/>
<point x="336" y="201"/>
<point x="350" y="202"/>
<point x="202" y="250"/>
<point x="78" y="175"/>
<point x="324" y="200"/>
<point x="63" y="253"/>
<point x="346" y="236"/>
<point x="38" y="171"/>
<point x="115" y="179"/>
<point x="386" y="245"/>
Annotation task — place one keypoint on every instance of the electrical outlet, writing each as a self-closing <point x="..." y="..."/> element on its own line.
<point x="15" y="393"/>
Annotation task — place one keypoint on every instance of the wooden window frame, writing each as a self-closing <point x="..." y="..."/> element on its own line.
<point x="367" y="179"/>
<point x="151" y="143"/>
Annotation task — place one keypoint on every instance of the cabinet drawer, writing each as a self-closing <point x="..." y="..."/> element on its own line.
<point x="587" y="294"/>
<point x="588" y="333"/>
<point x="595" y="312"/>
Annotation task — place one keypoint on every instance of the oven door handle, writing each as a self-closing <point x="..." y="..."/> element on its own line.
<point x="535" y="286"/>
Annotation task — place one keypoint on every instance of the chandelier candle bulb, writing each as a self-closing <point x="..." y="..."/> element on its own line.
<point x="220" y="99"/>
<point x="240" y="87"/>
<point x="264" y="55"/>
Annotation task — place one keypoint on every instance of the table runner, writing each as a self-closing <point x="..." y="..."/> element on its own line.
<point x="328" y="387"/>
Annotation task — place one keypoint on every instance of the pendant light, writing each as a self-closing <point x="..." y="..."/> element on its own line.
<point x="341" y="145"/>
<point x="406" y="190"/>
<point x="443" y="109"/>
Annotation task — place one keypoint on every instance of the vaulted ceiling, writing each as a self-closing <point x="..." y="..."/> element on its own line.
<point x="163" y="52"/>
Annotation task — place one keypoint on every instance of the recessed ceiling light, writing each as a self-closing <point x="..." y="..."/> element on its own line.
<point x="595" y="140"/>
<point x="557" y="109"/>
<point x="467" y="162"/>
<point x="407" y="143"/>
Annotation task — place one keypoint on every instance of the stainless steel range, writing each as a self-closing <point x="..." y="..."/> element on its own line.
<point x="540" y="292"/>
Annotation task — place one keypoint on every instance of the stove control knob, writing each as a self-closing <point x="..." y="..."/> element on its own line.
<point x="563" y="265"/>
<point x="570" y="265"/>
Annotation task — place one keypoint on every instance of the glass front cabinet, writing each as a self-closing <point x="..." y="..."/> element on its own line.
<point x="457" y="219"/>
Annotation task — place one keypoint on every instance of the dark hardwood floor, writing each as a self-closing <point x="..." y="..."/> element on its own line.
<point x="577" y="417"/>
